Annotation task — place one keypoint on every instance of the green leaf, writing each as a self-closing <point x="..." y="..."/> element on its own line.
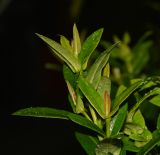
<point x="124" y="95"/>
<point x="62" y="53"/>
<point x="88" y="142"/>
<point x="155" y="91"/>
<point x="155" y="100"/>
<point x="151" y="144"/>
<point x="121" y="88"/>
<point x="89" y="46"/>
<point x="126" y="38"/>
<point x="61" y="114"/>
<point x="132" y="128"/>
<point x="65" y="43"/>
<point x="76" y="41"/>
<point x="109" y="146"/>
<point x="141" y="56"/>
<point x="106" y="70"/>
<point x="103" y="89"/>
<point x="120" y="118"/>
<point x="92" y="95"/>
<point x="72" y="93"/>
<point x="85" y="122"/>
<point x="80" y="105"/>
<point x="123" y="151"/>
<point x="42" y="112"/>
<point x="148" y="84"/>
<point x="104" y="85"/>
<point x="95" y="71"/>
<point x="72" y="104"/>
<point x="70" y="76"/>
<point x="144" y="137"/>
<point x="139" y="119"/>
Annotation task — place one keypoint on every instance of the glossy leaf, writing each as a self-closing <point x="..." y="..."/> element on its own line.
<point x="92" y="95"/>
<point x="62" y="53"/>
<point x="61" y="114"/>
<point x="109" y="146"/>
<point x="123" y="96"/>
<point x="120" y="118"/>
<point x="42" y="112"/>
<point x="95" y="71"/>
<point x="89" y="46"/>
<point x="88" y="142"/>
<point x="76" y="41"/>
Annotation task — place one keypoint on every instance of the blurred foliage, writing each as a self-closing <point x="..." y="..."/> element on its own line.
<point x="132" y="61"/>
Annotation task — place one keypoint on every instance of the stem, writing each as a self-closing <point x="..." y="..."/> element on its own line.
<point x="108" y="127"/>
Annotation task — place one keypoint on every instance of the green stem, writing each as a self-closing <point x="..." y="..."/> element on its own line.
<point x="108" y="133"/>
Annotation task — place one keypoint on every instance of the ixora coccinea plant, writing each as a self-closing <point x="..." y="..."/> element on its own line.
<point x="116" y="119"/>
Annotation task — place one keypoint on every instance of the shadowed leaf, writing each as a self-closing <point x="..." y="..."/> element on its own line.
<point x="88" y="143"/>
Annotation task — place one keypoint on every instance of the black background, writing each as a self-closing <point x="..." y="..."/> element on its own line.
<point x="27" y="82"/>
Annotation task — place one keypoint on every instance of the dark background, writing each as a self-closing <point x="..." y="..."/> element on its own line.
<point x="26" y="81"/>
